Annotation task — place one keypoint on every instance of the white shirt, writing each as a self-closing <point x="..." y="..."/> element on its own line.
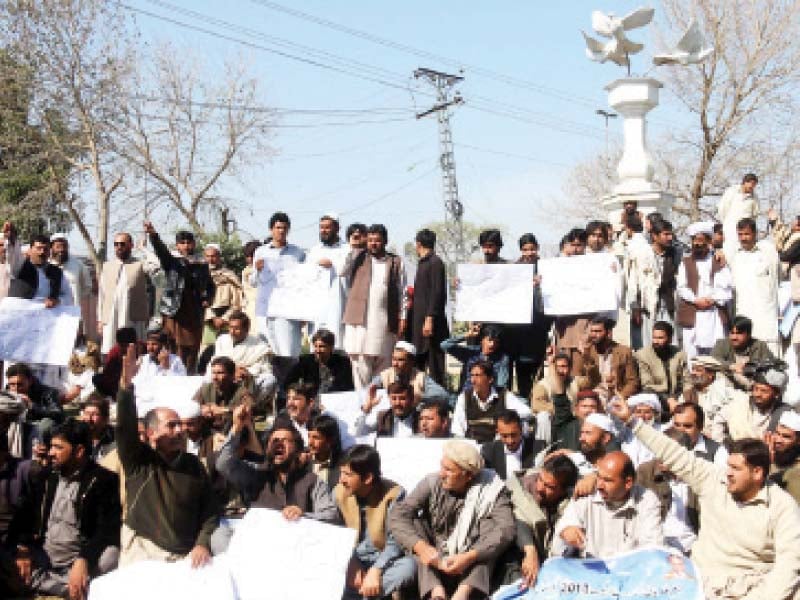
<point x="721" y="456"/>
<point x="150" y="368"/>
<point x="401" y="428"/>
<point x="513" y="459"/>
<point x="515" y="403"/>
<point x="677" y="532"/>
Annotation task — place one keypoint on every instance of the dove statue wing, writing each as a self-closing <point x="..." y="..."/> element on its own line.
<point x="595" y="50"/>
<point x="638" y="18"/>
<point x="604" y="24"/>
<point x="689" y="50"/>
<point x="692" y="40"/>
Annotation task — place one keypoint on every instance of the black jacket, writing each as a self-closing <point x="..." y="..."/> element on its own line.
<point x="26" y="282"/>
<point x="98" y="509"/>
<point x="430" y="298"/>
<point x="307" y="369"/>
<point x="495" y="458"/>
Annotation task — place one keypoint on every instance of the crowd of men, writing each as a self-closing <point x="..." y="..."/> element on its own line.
<point x="663" y="422"/>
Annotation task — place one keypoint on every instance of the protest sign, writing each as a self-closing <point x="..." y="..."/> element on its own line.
<point x="274" y="559"/>
<point x="640" y="575"/>
<point x="577" y="285"/>
<point x="300" y="292"/>
<point x="165" y="391"/>
<point x="495" y="293"/>
<point x="345" y="407"/>
<point x="408" y="460"/>
<point x="31" y="333"/>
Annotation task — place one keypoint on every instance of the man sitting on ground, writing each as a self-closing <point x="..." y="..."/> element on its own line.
<point x="326" y="368"/>
<point x="159" y="361"/>
<point x="400" y="420"/>
<point x="222" y="394"/>
<point x="434" y="419"/>
<point x="325" y="448"/>
<point x="378" y="567"/>
<point x="96" y="414"/>
<point x="457" y="522"/>
<point x="301" y="408"/>
<point x="488" y="348"/>
<point x="513" y="451"/>
<point x="784" y="446"/>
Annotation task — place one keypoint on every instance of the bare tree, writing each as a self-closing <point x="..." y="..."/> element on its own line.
<point x="187" y="134"/>
<point x="78" y="57"/>
<point x="742" y="94"/>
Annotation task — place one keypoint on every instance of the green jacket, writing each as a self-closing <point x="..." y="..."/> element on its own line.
<point x="171" y="504"/>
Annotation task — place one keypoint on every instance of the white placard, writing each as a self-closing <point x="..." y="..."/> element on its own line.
<point x="31" y="333"/>
<point x="165" y="391"/>
<point x="345" y="407"/>
<point x="574" y="285"/>
<point x="166" y="581"/>
<point x="495" y="293"/>
<point x="300" y="292"/>
<point x="408" y="460"/>
<point x="275" y="559"/>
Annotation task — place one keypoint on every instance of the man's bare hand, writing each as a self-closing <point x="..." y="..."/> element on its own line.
<point x="457" y="564"/>
<point x="129" y="367"/>
<point x="78" y="582"/>
<point x="148" y="228"/>
<point x="529" y="568"/>
<point x="259" y="264"/>
<point x="620" y="409"/>
<point x="200" y="556"/>
<point x="325" y="263"/>
<point x="574" y="536"/>
<point x="371" y="584"/>
<point x="772" y="215"/>
<point x="585" y="486"/>
<point x="50" y="302"/>
<point x="292" y="513"/>
<point x="427" y="327"/>
<point x="426" y="554"/>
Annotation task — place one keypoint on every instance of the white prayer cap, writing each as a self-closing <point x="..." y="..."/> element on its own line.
<point x="650" y="400"/>
<point x="600" y="420"/>
<point x="25" y="248"/>
<point x="791" y="420"/>
<point x="188" y="409"/>
<point x="213" y="246"/>
<point x="464" y="454"/>
<point x="58" y="236"/>
<point x="332" y="215"/>
<point x="709" y="362"/>
<point x="406" y="346"/>
<point x="701" y="227"/>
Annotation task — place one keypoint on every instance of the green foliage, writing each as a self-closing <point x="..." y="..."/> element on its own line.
<point x="231" y="248"/>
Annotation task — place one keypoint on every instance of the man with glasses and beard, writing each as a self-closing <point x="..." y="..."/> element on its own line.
<point x="75" y="271"/>
<point x="784" y="449"/>
<point x="122" y="301"/>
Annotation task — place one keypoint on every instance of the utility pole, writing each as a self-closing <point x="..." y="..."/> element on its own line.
<point x="223" y="222"/>
<point x="454" y="210"/>
<point x="607" y="115"/>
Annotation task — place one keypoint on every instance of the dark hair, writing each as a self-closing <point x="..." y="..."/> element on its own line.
<point x="379" y="229"/>
<point x="441" y="407"/>
<point x="491" y="330"/>
<point x="593" y="226"/>
<point x="628" y="470"/>
<point x="285" y="424"/>
<point x="329" y="428"/>
<point x="563" y="469"/>
<point x="325" y="336"/>
<point x="184" y="236"/>
<point x="100" y="403"/>
<point x="363" y="460"/>
<point x="426" y="238"/>
<point x="747" y="223"/>
<point x="353" y="227"/>
<point x="634" y="223"/>
<point x="126" y="335"/>
<point x="40" y="239"/>
<point x="563" y="356"/>
<point x="664" y="326"/>
<point x="607" y="323"/>
<point x="528" y="238"/>
<point x="485" y="366"/>
<point x="717" y="228"/>
<point x="250" y="247"/>
<point x="576" y="234"/>
<point x="76" y="433"/>
<point x="240" y="315"/>
<point x="660" y="226"/>
<point x="490" y="236"/>
<point x="280" y="217"/>
<point x="226" y="363"/>
<point x="400" y="387"/>
<point x="18" y="369"/>
<point x="508" y="416"/>
<point x="754" y="451"/>
<point x="158" y="335"/>
<point x="742" y="324"/>
<point x="750" y="177"/>
<point x="699" y="413"/>
<point x="306" y="390"/>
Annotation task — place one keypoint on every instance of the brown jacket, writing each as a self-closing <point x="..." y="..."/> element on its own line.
<point x="376" y="508"/>
<point x="623" y="367"/>
<point x="654" y="378"/>
<point x="359" y="274"/>
<point x="685" y="315"/>
<point x="138" y="305"/>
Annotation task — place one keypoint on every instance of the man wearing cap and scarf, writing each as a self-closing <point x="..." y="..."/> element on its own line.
<point x="75" y="271"/>
<point x="330" y="254"/>
<point x="704" y="289"/>
<point x="620" y="516"/>
<point x="227" y="295"/>
<point x="457" y="522"/>
<point x="648" y="408"/>
<point x="404" y="369"/>
<point x="784" y="447"/>
<point x="754" y="415"/>
<point x="189" y="290"/>
<point x="710" y="391"/>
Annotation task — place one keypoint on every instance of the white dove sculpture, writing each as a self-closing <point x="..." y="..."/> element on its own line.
<point x="618" y="48"/>
<point x="691" y="49"/>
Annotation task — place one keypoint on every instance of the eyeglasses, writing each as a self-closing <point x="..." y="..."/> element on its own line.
<point x="120" y="244"/>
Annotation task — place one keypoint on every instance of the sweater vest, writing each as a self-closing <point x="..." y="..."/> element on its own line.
<point x="480" y="423"/>
<point x="296" y="491"/>
<point x="25" y="284"/>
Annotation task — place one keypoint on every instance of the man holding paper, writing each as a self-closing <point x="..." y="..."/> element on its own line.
<point x="466" y="523"/>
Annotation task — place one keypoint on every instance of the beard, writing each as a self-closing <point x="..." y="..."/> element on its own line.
<point x="786" y="458"/>
<point x="661" y="351"/>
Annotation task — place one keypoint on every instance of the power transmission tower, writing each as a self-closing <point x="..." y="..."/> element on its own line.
<point x="454" y="210"/>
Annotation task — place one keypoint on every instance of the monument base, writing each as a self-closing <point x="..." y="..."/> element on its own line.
<point x="647" y="202"/>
